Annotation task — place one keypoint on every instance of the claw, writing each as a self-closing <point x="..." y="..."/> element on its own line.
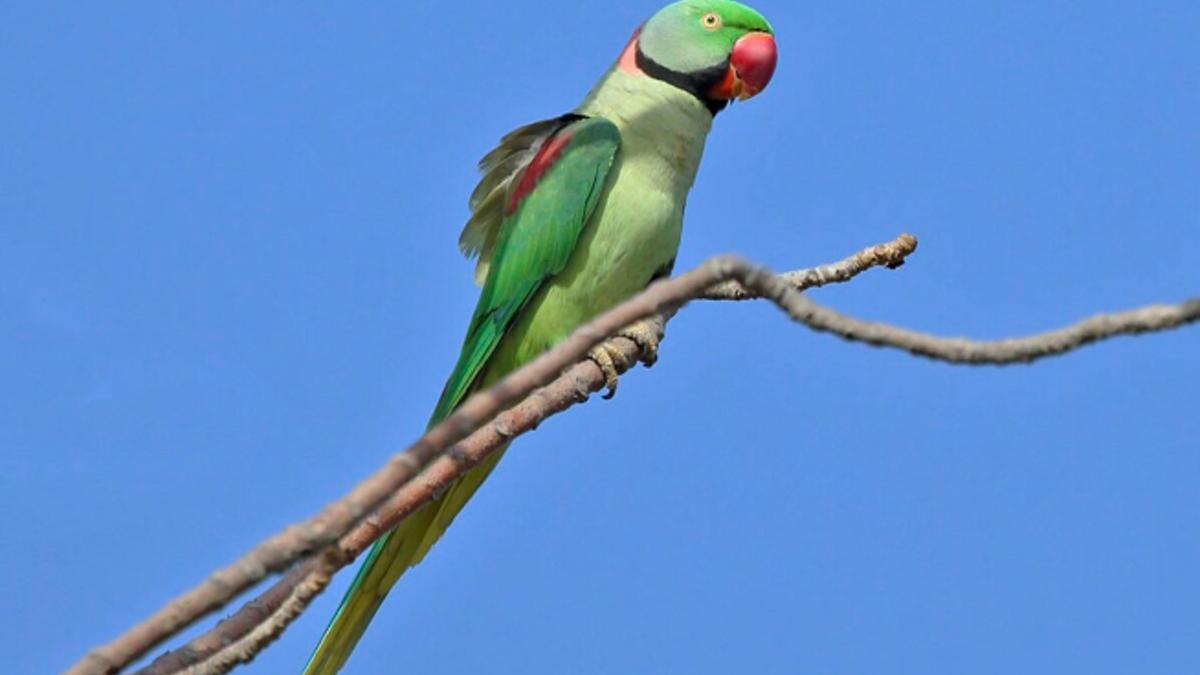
<point x="610" y="359"/>
<point x="645" y="334"/>
<point x="602" y="355"/>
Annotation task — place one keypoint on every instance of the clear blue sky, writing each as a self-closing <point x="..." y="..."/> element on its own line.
<point x="229" y="288"/>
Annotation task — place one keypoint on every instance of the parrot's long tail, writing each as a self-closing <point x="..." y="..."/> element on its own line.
<point x="409" y="541"/>
<point x="390" y="556"/>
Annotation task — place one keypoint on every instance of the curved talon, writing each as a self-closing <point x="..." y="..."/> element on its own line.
<point x="610" y="359"/>
<point x="645" y="334"/>
<point x="602" y="356"/>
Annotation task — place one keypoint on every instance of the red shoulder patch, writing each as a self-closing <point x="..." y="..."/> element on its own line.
<point x="545" y="158"/>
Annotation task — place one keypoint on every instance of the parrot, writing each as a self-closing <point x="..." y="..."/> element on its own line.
<point x="571" y="216"/>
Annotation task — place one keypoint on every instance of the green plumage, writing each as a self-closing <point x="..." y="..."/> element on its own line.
<point x="533" y="244"/>
<point x="595" y="227"/>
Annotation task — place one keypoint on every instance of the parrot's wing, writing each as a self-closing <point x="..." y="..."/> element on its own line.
<point x="545" y="206"/>
<point x="500" y="169"/>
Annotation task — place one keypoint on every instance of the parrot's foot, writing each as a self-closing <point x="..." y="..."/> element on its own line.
<point x="645" y="333"/>
<point x="610" y="359"/>
<point x="607" y="357"/>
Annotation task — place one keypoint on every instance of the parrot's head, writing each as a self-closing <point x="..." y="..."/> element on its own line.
<point x="718" y="50"/>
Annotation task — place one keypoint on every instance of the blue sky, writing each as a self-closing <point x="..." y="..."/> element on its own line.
<point x="229" y="288"/>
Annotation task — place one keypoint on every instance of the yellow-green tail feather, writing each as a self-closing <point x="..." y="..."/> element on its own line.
<point x="408" y="542"/>
<point x="389" y="558"/>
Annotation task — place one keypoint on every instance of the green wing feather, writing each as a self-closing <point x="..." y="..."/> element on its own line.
<point x="499" y="168"/>
<point x="529" y="244"/>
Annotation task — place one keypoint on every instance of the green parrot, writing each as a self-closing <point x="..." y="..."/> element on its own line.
<point x="572" y="216"/>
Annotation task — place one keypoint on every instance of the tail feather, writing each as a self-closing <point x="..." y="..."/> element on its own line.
<point x="409" y="541"/>
<point x="390" y="557"/>
<point x="454" y="500"/>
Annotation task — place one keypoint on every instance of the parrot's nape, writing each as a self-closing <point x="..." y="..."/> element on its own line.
<point x="573" y="215"/>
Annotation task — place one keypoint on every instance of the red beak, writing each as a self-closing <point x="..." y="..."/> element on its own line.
<point x="751" y="66"/>
<point x="754" y="58"/>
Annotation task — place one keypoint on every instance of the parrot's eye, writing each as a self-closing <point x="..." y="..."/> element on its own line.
<point x="711" y="21"/>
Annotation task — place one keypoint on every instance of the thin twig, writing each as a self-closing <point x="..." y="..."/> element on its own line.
<point x="963" y="351"/>
<point x="890" y="255"/>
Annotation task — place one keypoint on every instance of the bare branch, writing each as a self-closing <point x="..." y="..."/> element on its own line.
<point x="962" y="351"/>
<point x="257" y="624"/>
<point x="890" y="255"/>
<point x="283" y="549"/>
<point x="239" y="638"/>
<point x="278" y="552"/>
<point x="447" y="451"/>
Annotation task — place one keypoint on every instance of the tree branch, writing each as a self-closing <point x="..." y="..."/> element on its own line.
<point x="278" y="552"/>
<point x="963" y="351"/>
<point x="891" y="255"/>
<point x="571" y="387"/>
<point x="447" y="451"/>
